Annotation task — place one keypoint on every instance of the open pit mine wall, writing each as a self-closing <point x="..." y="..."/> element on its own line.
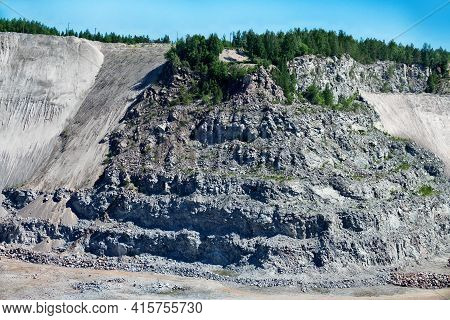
<point x="395" y="90"/>
<point x="59" y="97"/>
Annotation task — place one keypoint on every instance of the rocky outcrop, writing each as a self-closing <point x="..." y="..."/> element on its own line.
<point x="345" y="76"/>
<point x="313" y="188"/>
<point x="258" y="86"/>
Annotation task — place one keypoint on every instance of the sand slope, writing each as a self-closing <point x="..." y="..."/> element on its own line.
<point x="59" y="97"/>
<point x="423" y="118"/>
<point x="43" y="82"/>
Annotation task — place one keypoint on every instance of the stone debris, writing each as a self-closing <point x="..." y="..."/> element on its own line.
<point x="160" y="288"/>
<point x="162" y="266"/>
<point x="421" y="280"/>
<point x="98" y="285"/>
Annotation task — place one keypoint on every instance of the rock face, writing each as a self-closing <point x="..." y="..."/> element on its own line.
<point x="249" y="183"/>
<point x="286" y="188"/>
<point x="259" y="86"/>
<point x="345" y="76"/>
<point x="278" y="187"/>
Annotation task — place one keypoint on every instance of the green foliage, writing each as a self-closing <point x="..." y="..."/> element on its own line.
<point x="201" y="55"/>
<point x="328" y="98"/>
<point x="325" y="98"/>
<point x="286" y="81"/>
<point x="432" y="83"/>
<point x="403" y="166"/>
<point x="314" y="95"/>
<point x="385" y="88"/>
<point x="280" y="47"/>
<point x="185" y="97"/>
<point x="34" y="27"/>
<point x="276" y="48"/>
<point x="426" y="191"/>
<point x="25" y="26"/>
<point x="391" y="71"/>
<point x="346" y="103"/>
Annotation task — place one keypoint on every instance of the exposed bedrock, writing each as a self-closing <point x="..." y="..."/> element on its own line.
<point x="317" y="203"/>
<point x="345" y="76"/>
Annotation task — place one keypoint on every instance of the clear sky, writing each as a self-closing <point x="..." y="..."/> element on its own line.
<point x="382" y="19"/>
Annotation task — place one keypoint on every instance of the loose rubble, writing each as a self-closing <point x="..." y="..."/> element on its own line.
<point x="421" y="280"/>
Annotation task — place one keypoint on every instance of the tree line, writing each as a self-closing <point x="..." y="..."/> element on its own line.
<point x="279" y="47"/>
<point x="201" y="53"/>
<point x="35" y="27"/>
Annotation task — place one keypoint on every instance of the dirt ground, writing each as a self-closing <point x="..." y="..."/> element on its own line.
<point x="22" y="280"/>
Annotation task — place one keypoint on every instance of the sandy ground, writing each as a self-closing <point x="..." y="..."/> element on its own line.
<point x="22" y="280"/>
<point x="233" y="55"/>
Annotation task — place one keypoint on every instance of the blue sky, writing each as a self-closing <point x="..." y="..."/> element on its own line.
<point x="381" y="19"/>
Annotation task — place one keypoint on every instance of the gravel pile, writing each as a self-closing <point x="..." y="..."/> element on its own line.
<point x="97" y="286"/>
<point x="147" y="263"/>
<point x="161" y="288"/>
<point x="421" y="280"/>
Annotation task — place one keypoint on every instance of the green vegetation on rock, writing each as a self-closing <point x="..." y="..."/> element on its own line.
<point x="426" y="191"/>
<point x="403" y="166"/>
<point x="201" y="55"/>
<point x="284" y="46"/>
<point x="325" y="98"/>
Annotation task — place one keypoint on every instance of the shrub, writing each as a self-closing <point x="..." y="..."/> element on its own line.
<point x="403" y="166"/>
<point x="314" y="95"/>
<point x="328" y="98"/>
<point x="426" y="191"/>
<point x="201" y="55"/>
<point x="286" y="81"/>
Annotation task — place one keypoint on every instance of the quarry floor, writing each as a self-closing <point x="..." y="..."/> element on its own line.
<point x="23" y="280"/>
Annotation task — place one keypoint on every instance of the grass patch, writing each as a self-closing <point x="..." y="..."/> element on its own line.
<point x="403" y="166"/>
<point x="225" y="273"/>
<point x="426" y="191"/>
<point x="357" y="177"/>
<point x="400" y="139"/>
<point x="277" y="177"/>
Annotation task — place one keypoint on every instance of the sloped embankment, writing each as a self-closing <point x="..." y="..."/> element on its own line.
<point x="423" y="118"/>
<point x="59" y="97"/>
<point x="43" y="82"/>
